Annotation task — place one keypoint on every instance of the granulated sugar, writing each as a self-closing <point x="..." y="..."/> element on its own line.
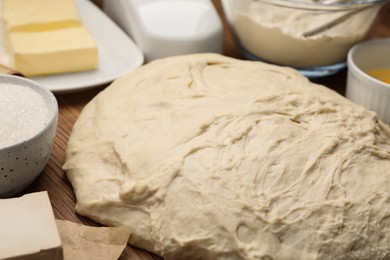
<point x="23" y="113"/>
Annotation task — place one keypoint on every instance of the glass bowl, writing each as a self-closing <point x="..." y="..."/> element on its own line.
<point x="311" y="36"/>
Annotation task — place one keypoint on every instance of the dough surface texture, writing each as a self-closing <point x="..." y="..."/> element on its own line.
<point x="208" y="157"/>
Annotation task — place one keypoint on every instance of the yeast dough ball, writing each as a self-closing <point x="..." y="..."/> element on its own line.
<point x="208" y="157"/>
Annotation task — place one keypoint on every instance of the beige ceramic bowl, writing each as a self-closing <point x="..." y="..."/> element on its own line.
<point x="22" y="162"/>
<point x="363" y="89"/>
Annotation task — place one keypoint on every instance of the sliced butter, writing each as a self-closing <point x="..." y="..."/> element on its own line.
<point x="55" y="51"/>
<point x="28" y="229"/>
<point x="39" y="15"/>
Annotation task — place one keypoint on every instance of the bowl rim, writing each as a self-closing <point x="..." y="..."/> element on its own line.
<point x="53" y="105"/>
<point x="332" y="5"/>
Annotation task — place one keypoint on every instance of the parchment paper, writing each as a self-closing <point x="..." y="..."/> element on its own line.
<point x="85" y="242"/>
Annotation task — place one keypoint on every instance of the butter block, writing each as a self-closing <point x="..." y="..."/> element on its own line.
<point x="54" y="51"/>
<point x="39" y="15"/>
<point x="28" y="229"/>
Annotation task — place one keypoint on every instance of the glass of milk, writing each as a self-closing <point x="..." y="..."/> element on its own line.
<point x="313" y="36"/>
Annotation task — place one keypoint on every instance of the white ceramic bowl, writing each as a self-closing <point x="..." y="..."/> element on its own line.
<point x="22" y="160"/>
<point x="363" y="89"/>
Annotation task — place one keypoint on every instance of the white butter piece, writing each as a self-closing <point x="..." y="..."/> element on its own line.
<point x="28" y="229"/>
<point x="54" y="51"/>
<point x="39" y="15"/>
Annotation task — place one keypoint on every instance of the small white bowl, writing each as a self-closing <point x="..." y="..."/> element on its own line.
<point x="364" y="89"/>
<point x="22" y="160"/>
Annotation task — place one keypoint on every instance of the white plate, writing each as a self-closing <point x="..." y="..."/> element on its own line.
<point x="118" y="54"/>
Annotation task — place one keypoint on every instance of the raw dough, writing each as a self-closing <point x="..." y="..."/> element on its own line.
<point x="208" y="157"/>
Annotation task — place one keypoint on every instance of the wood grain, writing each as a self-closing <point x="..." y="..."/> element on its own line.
<point x="54" y="180"/>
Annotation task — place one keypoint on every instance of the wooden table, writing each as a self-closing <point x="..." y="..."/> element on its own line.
<point x="54" y="179"/>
